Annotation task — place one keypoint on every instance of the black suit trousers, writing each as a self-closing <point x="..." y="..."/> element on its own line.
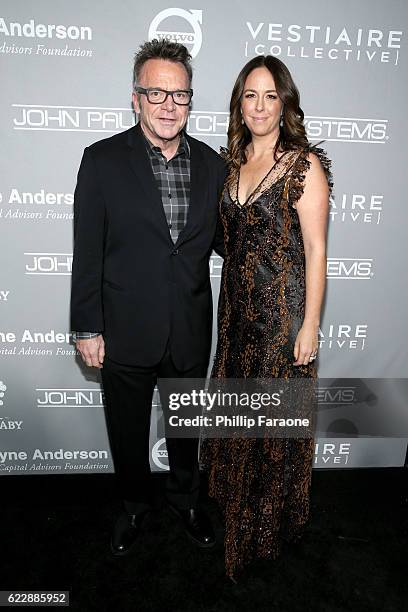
<point x="128" y="393"/>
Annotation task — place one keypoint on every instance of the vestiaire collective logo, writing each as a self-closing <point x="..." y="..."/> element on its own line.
<point x="341" y="43"/>
<point x="21" y="34"/>
<point x="357" y="208"/>
<point x="170" y="24"/>
<point x="343" y="336"/>
<point x="332" y="454"/>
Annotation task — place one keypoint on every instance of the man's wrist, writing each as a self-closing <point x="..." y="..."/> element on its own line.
<point x="84" y="335"/>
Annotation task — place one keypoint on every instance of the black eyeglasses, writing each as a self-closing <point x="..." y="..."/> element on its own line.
<point x="155" y="95"/>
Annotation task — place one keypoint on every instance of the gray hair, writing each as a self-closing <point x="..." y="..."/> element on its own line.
<point x="161" y="49"/>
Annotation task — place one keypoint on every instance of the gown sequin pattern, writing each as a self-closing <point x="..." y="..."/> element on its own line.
<point x="262" y="485"/>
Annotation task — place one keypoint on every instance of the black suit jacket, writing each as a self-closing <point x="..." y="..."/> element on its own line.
<point x="129" y="280"/>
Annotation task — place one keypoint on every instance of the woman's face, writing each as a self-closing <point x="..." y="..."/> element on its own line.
<point x="260" y="103"/>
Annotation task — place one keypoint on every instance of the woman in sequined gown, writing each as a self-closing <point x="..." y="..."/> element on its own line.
<point x="274" y="213"/>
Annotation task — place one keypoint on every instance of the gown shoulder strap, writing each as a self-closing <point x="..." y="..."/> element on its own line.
<point x="300" y="168"/>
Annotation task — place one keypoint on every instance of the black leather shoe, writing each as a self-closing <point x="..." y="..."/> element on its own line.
<point x="125" y="532"/>
<point x="197" y="526"/>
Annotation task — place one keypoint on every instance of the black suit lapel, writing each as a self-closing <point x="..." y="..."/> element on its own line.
<point x="140" y="163"/>
<point x="198" y="190"/>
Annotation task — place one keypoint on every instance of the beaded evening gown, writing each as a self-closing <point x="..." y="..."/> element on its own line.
<point x="262" y="485"/>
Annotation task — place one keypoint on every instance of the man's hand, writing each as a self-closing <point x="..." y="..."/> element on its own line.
<point x="92" y="351"/>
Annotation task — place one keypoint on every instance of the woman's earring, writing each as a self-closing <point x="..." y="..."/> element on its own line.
<point x="281" y="119"/>
<point x="242" y="119"/>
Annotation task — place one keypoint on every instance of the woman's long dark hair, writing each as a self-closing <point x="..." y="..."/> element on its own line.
<point x="292" y="133"/>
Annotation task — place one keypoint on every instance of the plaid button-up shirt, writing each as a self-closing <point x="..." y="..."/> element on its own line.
<point x="173" y="180"/>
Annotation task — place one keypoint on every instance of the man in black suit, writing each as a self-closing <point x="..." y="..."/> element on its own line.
<point x="145" y="224"/>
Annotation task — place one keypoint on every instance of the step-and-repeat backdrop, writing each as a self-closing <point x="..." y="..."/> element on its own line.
<point x="66" y="73"/>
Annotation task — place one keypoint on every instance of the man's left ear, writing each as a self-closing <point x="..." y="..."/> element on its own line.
<point x="136" y="102"/>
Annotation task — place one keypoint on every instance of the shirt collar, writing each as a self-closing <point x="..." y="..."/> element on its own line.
<point x="183" y="148"/>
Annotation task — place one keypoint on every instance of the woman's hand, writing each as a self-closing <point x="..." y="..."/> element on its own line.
<point x="306" y="344"/>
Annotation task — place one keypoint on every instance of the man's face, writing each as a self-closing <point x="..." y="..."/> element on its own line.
<point x="161" y="122"/>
